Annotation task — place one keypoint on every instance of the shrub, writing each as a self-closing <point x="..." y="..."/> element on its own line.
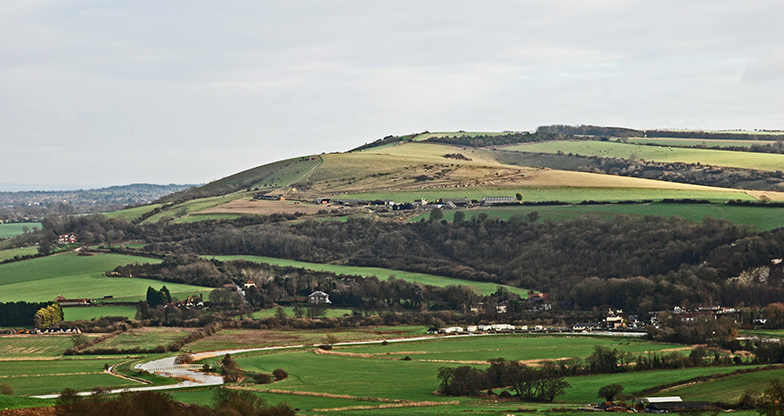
<point x="280" y="373"/>
<point x="262" y="378"/>
<point x="183" y="359"/>
<point x="6" y="389"/>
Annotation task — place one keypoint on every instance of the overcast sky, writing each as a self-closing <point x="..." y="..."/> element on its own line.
<point x="100" y="93"/>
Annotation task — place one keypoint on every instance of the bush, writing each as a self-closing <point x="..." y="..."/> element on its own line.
<point x="280" y="373"/>
<point x="183" y="359"/>
<point x="6" y="389"/>
<point x="262" y="378"/>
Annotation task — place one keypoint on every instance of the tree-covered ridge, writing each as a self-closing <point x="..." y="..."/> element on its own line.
<point x="635" y="263"/>
<point x="499" y="140"/>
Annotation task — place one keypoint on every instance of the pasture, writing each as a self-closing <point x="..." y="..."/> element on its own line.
<point x="727" y="389"/>
<point x="329" y="313"/>
<point x="527" y="347"/>
<point x="73" y="276"/>
<point x="584" y="388"/>
<point x="761" y="218"/>
<point x="245" y="338"/>
<point x="97" y="312"/>
<point x="376" y="370"/>
<point x="20" y="252"/>
<point x="185" y="208"/>
<point x="484" y="288"/>
<point x="43" y="377"/>
<point x="26" y="347"/>
<point x="573" y="194"/>
<point x="669" y="141"/>
<point x="17" y="228"/>
<point x="746" y="160"/>
<point x="132" y="214"/>
<point x="144" y="338"/>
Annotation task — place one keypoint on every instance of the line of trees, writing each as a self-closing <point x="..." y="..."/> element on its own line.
<point x="528" y="383"/>
<point x="149" y="403"/>
<point x="20" y="313"/>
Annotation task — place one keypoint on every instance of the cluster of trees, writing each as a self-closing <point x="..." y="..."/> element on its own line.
<point x="499" y="140"/>
<point x="149" y="403"/>
<point x="588" y="130"/>
<point x="276" y="284"/>
<point x="20" y="313"/>
<point x="528" y="383"/>
<point x="48" y="316"/>
<point x="158" y="297"/>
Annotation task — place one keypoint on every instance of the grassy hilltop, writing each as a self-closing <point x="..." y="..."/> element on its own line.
<point x="409" y="168"/>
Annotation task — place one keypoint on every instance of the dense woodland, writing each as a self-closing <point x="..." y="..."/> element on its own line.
<point x="638" y="264"/>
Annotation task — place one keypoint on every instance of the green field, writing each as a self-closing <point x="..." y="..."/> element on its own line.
<point x="584" y="388"/>
<point x="330" y="313"/>
<point x="245" y="338"/>
<point x="378" y="375"/>
<point x="727" y="389"/>
<point x="73" y="276"/>
<point x="512" y="347"/>
<point x="21" y="402"/>
<point x="763" y="332"/>
<point x="14" y="229"/>
<point x="42" y="377"/>
<point x="758" y="217"/>
<point x="204" y="217"/>
<point x="95" y="312"/>
<point x="23" y="347"/>
<point x="188" y="207"/>
<point x="145" y="338"/>
<point x="746" y="160"/>
<point x="667" y="141"/>
<point x="13" y="252"/>
<point x="132" y="214"/>
<point x="425" y="279"/>
<point x="560" y="193"/>
<point x="357" y="377"/>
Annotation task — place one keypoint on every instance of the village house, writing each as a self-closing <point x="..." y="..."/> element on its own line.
<point x="66" y="239"/>
<point x="318" y="297"/>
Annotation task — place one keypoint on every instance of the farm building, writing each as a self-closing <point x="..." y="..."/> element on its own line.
<point x="318" y="297"/>
<point x="497" y="200"/>
<point x="72" y="302"/>
<point x="268" y="197"/>
<point x="321" y="201"/>
<point x="352" y="202"/>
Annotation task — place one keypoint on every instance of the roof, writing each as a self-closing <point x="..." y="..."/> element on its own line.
<point x="498" y="198"/>
<point x="318" y="293"/>
<point x="662" y="399"/>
